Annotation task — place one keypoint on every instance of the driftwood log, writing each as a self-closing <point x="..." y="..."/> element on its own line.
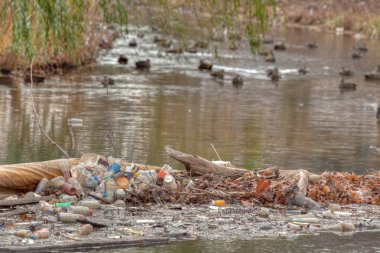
<point x="24" y="176"/>
<point x="295" y="194"/>
<point x="199" y="165"/>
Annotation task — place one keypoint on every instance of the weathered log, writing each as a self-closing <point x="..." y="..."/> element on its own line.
<point x="293" y="196"/>
<point x="199" y="165"/>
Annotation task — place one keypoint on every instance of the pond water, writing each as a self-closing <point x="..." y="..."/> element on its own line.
<point x="360" y="242"/>
<point x="299" y="122"/>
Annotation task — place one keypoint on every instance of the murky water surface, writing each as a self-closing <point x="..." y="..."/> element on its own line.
<point x="300" y="122"/>
<point x="360" y="242"/>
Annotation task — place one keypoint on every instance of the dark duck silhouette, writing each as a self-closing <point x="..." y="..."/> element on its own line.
<point x="237" y="81"/>
<point x="107" y="81"/>
<point x="361" y="48"/>
<point x="344" y="85"/>
<point x="311" y="45"/>
<point x="122" y="59"/>
<point x="218" y="74"/>
<point x="143" y="65"/>
<point x="270" y="57"/>
<point x="274" y="74"/>
<point x="303" y="71"/>
<point x="279" y="45"/>
<point x="203" y="65"/>
<point x="5" y="71"/>
<point x="374" y="75"/>
<point x="132" y="43"/>
<point x="346" y="72"/>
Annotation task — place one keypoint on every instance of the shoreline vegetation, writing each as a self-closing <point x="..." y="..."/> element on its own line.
<point x="84" y="28"/>
<point x="65" y="35"/>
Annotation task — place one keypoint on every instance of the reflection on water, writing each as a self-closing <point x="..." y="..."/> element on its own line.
<point x="328" y="242"/>
<point x="301" y="122"/>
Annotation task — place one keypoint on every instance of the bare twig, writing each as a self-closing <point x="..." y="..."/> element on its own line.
<point x="216" y="152"/>
<point x="72" y="138"/>
<point x="36" y="114"/>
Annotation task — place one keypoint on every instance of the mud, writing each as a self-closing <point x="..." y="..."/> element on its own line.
<point x="184" y="222"/>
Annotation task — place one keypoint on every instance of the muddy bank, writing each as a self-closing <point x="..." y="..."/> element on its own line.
<point x="355" y="17"/>
<point x="166" y="223"/>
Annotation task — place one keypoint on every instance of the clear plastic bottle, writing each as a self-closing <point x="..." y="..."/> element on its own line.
<point x="80" y="210"/>
<point x="42" y="185"/>
<point x="93" y="204"/>
<point x="57" y="181"/>
<point x="65" y="169"/>
<point x="169" y="183"/>
<point x="111" y="187"/>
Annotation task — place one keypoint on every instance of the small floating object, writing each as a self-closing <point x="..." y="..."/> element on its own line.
<point x="108" y="81"/>
<point x="219" y="74"/>
<point x="143" y="64"/>
<point x="122" y="59"/>
<point x="75" y="122"/>
<point x="311" y="45"/>
<point x="237" y="81"/>
<point x="203" y="65"/>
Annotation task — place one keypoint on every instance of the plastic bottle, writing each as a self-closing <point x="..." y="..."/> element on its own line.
<point x="115" y="166"/>
<point x="85" y="229"/>
<point x="80" y="210"/>
<point x="146" y="176"/>
<point x="169" y="183"/>
<point x="40" y="234"/>
<point x="111" y="187"/>
<point x="75" y="122"/>
<point x="46" y="207"/>
<point x="70" y="217"/>
<point x="218" y="202"/>
<point x="42" y="185"/>
<point x="76" y="184"/>
<point x="57" y="181"/>
<point x="69" y="189"/>
<point x="68" y="198"/>
<point x="93" y="204"/>
<point x="120" y="194"/>
<point x="90" y="182"/>
<point x="165" y="170"/>
<point x="65" y="169"/>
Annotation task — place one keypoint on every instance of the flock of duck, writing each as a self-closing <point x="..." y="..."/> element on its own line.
<point x="272" y="73"/>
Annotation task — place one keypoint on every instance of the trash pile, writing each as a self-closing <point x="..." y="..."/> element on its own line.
<point x="346" y="188"/>
<point x="86" y="188"/>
